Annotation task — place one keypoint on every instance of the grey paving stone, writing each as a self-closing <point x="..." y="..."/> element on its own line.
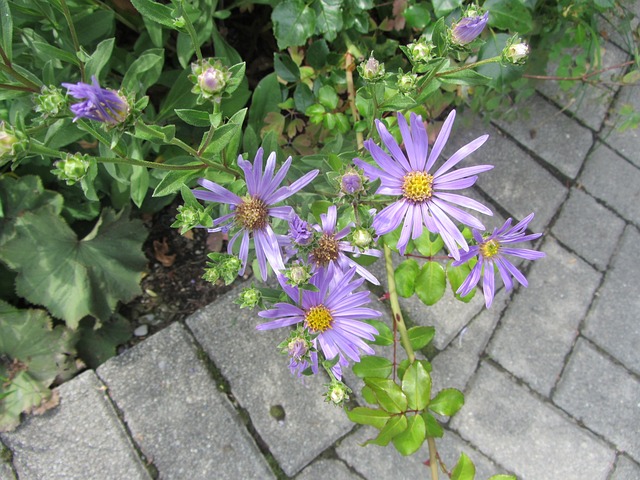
<point x="81" y="438"/>
<point x="526" y="435"/>
<point x="613" y="24"/>
<point x="626" y="470"/>
<point x="453" y="367"/>
<point x="260" y="380"/>
<point x="555" y="137"/>
<point x="613" y="180"/>
<point x="589" y="103"/>
<point x="625" y="142"/>
<point x="327" y="468"/>
<point x="588" y="228"/>
<point x="385" y="463"/>
<point x="612" y="322"/>
<point x="176" y="413"/>
<point x="592" y="384"/>
<point x="560" y="290"/>
<point x="517" y="183"/>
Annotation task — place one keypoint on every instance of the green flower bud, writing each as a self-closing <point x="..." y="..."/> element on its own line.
<point x="420" y="52"/>
<point x="210" y="77"/>
<point x="407" y="82"/>
<point x="72" y="169"/>
<point x="8" y="141"/>
<point x="515" y="53"/>
<point x="362" y="238"/>
<point x="337" y="392"/>
<point x="179" y="22"/>
<point x="50" y="101"/>
<point x="249" y="298"/>
<point x="298" y="274"/>
<point x="372" y="70"/>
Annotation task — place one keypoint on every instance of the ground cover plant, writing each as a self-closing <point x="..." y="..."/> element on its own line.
<point x="310" y="142"/>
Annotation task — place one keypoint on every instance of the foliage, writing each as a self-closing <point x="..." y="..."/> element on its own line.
<point x="158" y="98"/>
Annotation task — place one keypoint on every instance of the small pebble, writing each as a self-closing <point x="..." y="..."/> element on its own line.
<point x="141" y="331"/>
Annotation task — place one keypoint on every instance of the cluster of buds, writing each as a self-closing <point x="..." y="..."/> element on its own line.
<point x="210" y="77"/>
<point x="371" y="70"/>
<point x="515" y="52"/>
<point x="73" y="168"/>
<point x="222" y="266"/>
<point x="50" y="101"/>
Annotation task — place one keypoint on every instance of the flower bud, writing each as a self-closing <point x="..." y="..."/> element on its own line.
<point x="72" y="169"/>
<point x="249" y="298"/>
<point x="372" y="70"/>
<point x="297" y="348"/>
<point x="469" y="27"/>
<point x="299" y="231"/>
<point x="298" y="274"/>
<point x="361" y="238"/>
<point x="337" y="393"/>
<point x="210" y="78"/>
<point x="515" y="53"/>
<point x="7" y="141"/>
<point x="50" y="101"/>
<point x="407" y="82"/>
<point x="351" y="182"/>
<point x="420" y="52"/>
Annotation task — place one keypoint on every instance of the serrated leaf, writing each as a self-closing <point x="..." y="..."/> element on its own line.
<point x="447" y="402"/>
<point x="416" y="384"/>
<point x="73" y="277"/>
<point x="328" y="18"/>
<point x="25" y="394"/>
<point x="293" y="23"/>
<point x="395" y="426"/>
<point x="431" y="283"/>
<point x="388" y="393"/>
<point x="96" y="346"/>
<point x="419" y="337"/>
<point x="373" y="366"/>
<point x="432" y="426"/>
<point x="410" y="441"/>
<point x="464" y="469"/>
<point x="405" y="275"/>
<point x="369" y="416"/>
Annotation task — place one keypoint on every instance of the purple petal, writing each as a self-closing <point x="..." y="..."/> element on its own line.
<point x="488" y="287"/>
<point x="461" y="154"/>
<point x="460" y="215"/>
<point x="390" y="217"/>
<point x="392" y="145"/>
<point x="441" y="141"/>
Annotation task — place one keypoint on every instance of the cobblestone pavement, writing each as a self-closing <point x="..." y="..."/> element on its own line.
<point x="551" y="373"/>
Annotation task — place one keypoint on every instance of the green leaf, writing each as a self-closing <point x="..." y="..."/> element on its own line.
<point x="431" y="283"/>
<point x="444" y="7"/>
<point x="197" y="118"/>
<point x="99" y="58"/>
<point x="416" y="384"/>
<point x="419" y="337"/>
<point x="510" y="15"/>
<point x="433" y="427"/>
<point x="464" y="77"/>
<point x="73" y="277"/>
<point x="417" y="16"/>
<point x="144" y="71"/>
<point x="327" y="97"/>
<point x="457" y="275"/>
<point x="410" y="441"/>
<point x="464" y="469"/>
<point x="139" y="184"/>
<point x="46" y="52"/>
<point x="406" y="274"/>
<point x="97" y="345"/>
<point x="285" y="68"/>
<point x="6" y="22"/>
<point x="319" y="207"/>
<point x="26" y="393"/>
<point x="385" y="335"/>
<point x="293" y="23"/>
<point x="179" y="96"/>
<point x="155" y="11"/>
<point x="397" y="102"/>
<point x="266" y="98"/>
<point x="303" y="97"/>
<point x="221" y="138"/>
<point x="368" y="416"/>
<point x="395" y="426"/>
<point x="388" y="393"/>
<point x="231" y="150"/>
<point x="317" y="55"/>
<point x="373" y="366"/>
<point x="328" y="18"/>
<point x="447" y="402"/>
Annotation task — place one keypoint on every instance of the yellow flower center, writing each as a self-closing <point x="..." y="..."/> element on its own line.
<point x="326" y="251"/>
<point x="490" y="249"/>
<point x="319" y="319"/>
<point x="252" y="213"/>
<point x="417" y="186"/>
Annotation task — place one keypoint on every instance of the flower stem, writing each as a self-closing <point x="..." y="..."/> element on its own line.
<point x="349" y="66"/>
<point x="468" y="66"/>
<point x="144" y="163"/>
<point x="191" y="31"/>
<point x="22" y="79"/>
<point x="74" y="35"/>
<point x="433" y="458"/>
<point x="395" y="306"/>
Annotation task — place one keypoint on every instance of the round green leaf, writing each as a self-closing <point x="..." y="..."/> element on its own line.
<point x="420" y="336"/>
<point x="431" y="283"/>
<point x="417" y="16"/>
<point x="447" y="402"/>
<point x="405" y="275"/>
<point x="372" y="366"/>
<point x="416" y="384"/>
<point x="385" y="335"/>
<point x="433" y="428"/>
<point x="388" y="393"/>
<point x="428" y="244"/>
<point x="411" y="439"/>
<point x="395" y="426"/>
<point x="457" y="275"/>
<point x="464" y="469"/>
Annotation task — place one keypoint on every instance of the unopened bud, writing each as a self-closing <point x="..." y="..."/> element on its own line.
<point x="516" y="53"/>
<point x="407" y="82"/>
<point x="249" y="298"/>
<point x="50" y="101"/>
<point x="72" y="169"/>
<point x="372" y="69"/>
<point x="7" y="141"/>
<point x="351" y="182"/>
<point x="337" y="393"/>
<point x="362" y="238"/>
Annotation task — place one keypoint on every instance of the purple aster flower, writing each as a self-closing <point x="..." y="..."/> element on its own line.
<point x="331" y="251"/>
<point x="468" y="28"/>
<point x="491" y="251"/>
<point x="331" y="315"/>
<point x="424" y="196"/>
<point x="251" y="213"/>
<point x="101" y="104"/>
<point x="299" y="231"/>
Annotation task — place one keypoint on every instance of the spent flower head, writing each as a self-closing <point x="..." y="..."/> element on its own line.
<point x="492" y="251"/>
<point x="303" y="357"/>
<point x="73" y="168"/>
<point x="251" y="214"/>
<point x="331" y="314"/>
<point x="469" y="27"/>
<point x="100" y="104"/>
<point x="424" y="196"/>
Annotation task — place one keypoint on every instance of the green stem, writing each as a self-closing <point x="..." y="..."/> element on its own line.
<point x="24" y="80"/>
<point x="37" y="147"/>
<point x="191" y="31"/>
<point x="15" y="87"/>
<point x="468" y="66"/>
<point x="433" y="458"/>
<point x="74" y="35"/>
<point x="144" y="163"/>
<point x="117" y="15"/>
<point x="395" y="306"/>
